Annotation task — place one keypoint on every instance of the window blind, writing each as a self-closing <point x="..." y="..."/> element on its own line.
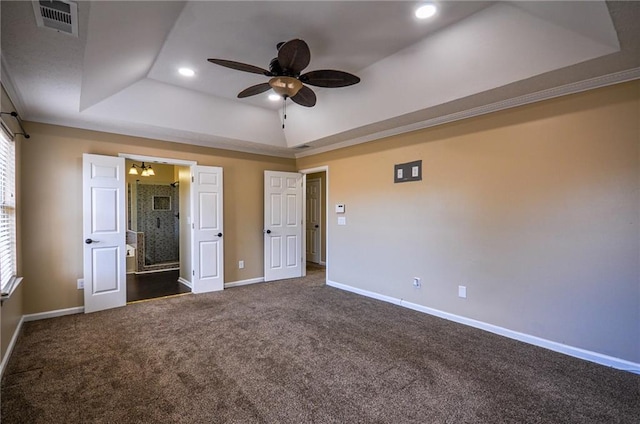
<point x="7" y="211"/>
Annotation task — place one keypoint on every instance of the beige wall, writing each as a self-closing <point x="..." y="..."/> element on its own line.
<point x="535" y="210"/>
<point x="11" y="310"/>
<point x="52" y="206"/>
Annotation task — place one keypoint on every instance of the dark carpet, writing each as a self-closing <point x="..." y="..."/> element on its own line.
<point x="296" y="351"/>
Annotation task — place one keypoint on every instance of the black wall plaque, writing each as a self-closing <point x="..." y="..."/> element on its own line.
<point x="410" y="171"/>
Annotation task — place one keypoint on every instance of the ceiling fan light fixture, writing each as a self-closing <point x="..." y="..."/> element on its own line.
<point x="285" y="86"/>
<point x="286" y="79"/>
<point x="274" y="97"/>
<point x="426" y="11"/>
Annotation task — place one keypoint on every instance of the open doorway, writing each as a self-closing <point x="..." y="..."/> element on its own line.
<point x="154" y="205"/>
<point x="316" y="196"/>
<point x="104" y="222"/>
<point x="316" y="218"/>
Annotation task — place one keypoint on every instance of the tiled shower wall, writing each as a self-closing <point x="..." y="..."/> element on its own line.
<point x="161" y="226"/>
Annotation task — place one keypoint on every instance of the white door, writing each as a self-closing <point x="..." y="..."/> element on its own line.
<point x="104" y="226"/>
<point x="208" y="252"/>
<point x="282" y="225"/>
<point x="314" y="231"/>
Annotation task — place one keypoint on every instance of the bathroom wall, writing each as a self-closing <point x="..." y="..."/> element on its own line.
<point x="158" y="211"/>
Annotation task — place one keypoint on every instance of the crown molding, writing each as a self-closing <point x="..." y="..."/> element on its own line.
<point x="551" y="93"/>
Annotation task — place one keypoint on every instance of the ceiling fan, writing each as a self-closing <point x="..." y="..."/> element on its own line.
<point x="286" y="80"/>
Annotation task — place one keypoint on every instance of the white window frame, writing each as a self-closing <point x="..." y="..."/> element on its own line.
<point x="8" y="247"/>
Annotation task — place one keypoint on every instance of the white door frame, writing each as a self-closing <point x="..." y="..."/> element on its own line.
<point x="155" y="159"/>
<point x="165" y="161"/>
<point x="304" y="172"/>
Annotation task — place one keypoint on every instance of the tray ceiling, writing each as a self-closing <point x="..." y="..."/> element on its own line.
<point x="120" y="73"/>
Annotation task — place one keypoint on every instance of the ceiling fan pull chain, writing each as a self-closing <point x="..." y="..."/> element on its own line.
<point x="284" y="111"/>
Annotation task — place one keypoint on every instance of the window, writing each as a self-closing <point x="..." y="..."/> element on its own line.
<point x="7" y="213"/>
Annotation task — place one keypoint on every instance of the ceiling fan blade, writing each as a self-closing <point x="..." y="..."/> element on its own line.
<point x="329" y="78"/>
<point x="294" y="56"/>
<point x="305" y="97"/>
<point x="239" y="66"/>
<point x="254" y="89"/>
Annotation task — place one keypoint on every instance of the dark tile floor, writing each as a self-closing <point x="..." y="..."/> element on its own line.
<point x="153" y="285"/>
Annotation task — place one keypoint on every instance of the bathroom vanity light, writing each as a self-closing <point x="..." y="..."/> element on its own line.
<point x="146" y="170"/>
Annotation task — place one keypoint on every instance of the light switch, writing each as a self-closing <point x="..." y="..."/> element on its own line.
<point x="399" y="176"/>
<point x="340" y="208"/>
<point x="415" y="171"/>
<point x="342" y="220"/>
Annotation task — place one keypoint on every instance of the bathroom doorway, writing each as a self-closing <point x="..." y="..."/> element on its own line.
<point x="153" y="230"/>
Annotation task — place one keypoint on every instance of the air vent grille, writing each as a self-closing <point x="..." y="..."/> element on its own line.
<point x="58" y="15"/>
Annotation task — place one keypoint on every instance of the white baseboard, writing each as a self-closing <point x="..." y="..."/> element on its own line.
<point x="244" y="282"/>
<point x="12" y="344"/>
<point x="53" y="314"/>
<point x="366" y="293"/>
<point x="185" y="282"/>
<point x="576" y="352"/>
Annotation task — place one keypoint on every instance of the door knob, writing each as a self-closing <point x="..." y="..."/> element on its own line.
<point x="317" y="226"/>
<point x="268" y="231"/>
<point x="219" y="234"/>
<point x="89" y="241"/>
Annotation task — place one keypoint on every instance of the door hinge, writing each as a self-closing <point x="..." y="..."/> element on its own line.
<point x="193" y="226"/>
<point x="193" y="272"/>
<point x="193" y="179"/>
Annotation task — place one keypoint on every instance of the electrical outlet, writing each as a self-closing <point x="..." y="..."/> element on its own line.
<point x="462" y="292"/>
<point x="416" y="282"/>
<point x="80" y="283"/>
<point x="241" y="264"/>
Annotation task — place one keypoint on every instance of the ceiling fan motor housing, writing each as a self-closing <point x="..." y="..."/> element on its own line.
<point x="285" y="86"/>
<point x="274" y="67"/>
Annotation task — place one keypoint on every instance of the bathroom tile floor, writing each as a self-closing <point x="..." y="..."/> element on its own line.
<point x="154" y="285"/>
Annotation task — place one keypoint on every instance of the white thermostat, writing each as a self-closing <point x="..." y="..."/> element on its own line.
<point x="340" y="208"/>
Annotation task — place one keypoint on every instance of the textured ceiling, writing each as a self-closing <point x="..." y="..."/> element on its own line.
<point x="120" y="73"/>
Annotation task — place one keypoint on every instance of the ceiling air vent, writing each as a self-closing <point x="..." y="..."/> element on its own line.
<point x="58" y="15"/>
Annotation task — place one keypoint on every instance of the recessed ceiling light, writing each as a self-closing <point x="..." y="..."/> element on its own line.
<point x="186" y="72"/>
<point x="426" y="11"/>
<point x="274" y="97"/>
